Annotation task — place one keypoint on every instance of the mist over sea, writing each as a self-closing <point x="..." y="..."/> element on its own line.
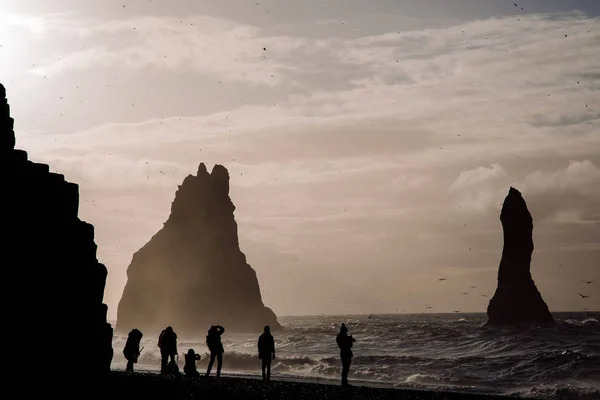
<point x="451" y="351"/>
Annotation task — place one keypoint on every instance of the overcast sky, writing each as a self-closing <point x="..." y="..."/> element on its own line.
<point x="370" y="143"/>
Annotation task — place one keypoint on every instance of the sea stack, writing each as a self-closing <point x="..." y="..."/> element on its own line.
<point x="53" y="290"/>
<point x="517" y="300"/>
<point x="192" y="273"/>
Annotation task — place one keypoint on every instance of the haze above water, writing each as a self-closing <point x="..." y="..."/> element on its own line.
<point x="370" y="143"/>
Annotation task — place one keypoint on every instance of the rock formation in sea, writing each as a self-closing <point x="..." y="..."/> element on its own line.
<point x="53" y="285"/>
<point x="517" y="300"/>
<point x="192" y="273"/>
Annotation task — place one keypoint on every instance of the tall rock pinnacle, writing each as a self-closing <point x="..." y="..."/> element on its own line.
<point x="517" y="299"/>
<point x="192" y="273"/>
<point x="54" y="285"/>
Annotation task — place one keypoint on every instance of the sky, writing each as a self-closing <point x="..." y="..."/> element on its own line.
<point x="370" y="143"/>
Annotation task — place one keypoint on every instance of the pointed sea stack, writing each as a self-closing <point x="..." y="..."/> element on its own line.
<point x="53" y="283"/>
<point x="517" y="301"/>
<point x="192" y="273"/>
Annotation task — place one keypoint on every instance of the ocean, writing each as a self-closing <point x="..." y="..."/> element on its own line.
<point x="441" y="351"/>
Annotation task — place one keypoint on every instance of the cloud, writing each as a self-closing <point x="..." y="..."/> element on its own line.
<point x="204" y="44"/>
<point x="375" y="138"/>
<point x="579" y="176"/>
<point x="567" y="195"/>
<point x="478" y="176"/>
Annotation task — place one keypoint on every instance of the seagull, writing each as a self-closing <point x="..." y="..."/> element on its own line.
<point x="442" y="279"/>
<point x="483" y="295"/>
<point x="370" y="316"/>
<point x="464" y="294"/>
<point x="582" y="296"/>
<point x="588" y="282"/>
<point x="472" y="287"/>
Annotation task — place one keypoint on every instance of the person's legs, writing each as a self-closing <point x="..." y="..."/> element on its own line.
<point x="210" y="363"/>
<point x="164" y="358"/>
<point x="263" y="367"/>
<point x="345" y="369"/>
<point x="129" y="366"/>
<point x="269" y="368"/>
<point x="219" y="363"/>
<point x="172" y="357"/>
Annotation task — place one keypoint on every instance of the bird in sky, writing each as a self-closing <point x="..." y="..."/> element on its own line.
<point x="583" y="296"/>
<point x="588" y="282"/>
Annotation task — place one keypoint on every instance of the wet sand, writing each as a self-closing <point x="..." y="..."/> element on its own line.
<point x="144" y="385"/>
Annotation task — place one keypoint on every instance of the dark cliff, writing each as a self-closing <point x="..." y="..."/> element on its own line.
<point x="517" y="299"/>
<point x="192" y="273"/>
<point x="53" y="283"/>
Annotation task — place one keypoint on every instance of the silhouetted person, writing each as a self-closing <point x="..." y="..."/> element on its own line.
<point x="266" y="352"/>
<point x="190" y="363"/>
<point x="132" y="348"/>
<point x="345" y="342"/>
<point x="213" y="341"/>
<point x="167" y="342"/>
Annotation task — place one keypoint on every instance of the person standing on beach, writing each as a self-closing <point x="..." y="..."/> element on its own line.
<point x="132" y="348"/>
<point x="213" y="341"/>
<point x="345" y="342"/>
<point x="266" y="352"/>
<point x="167" y="342"/>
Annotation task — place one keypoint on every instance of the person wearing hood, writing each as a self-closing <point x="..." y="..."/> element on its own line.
<point x="132" y="348"/>
<point x="345" y="343"/>
<point x="167" y="342"/>
<point x="266" y="352"/>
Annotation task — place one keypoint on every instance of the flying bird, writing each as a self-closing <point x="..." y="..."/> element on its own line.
<point x="370" y="316"/>
<point x="442" y="279"/>
<point x="588" y="282"/>
<point x="583" y="296"/>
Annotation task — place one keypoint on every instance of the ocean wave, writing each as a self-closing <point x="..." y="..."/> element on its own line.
<point x="421" y="350"/>
<point x="560" y="392"/>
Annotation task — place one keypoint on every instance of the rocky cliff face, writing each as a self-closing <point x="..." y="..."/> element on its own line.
<point x="517" y="300"/>
<point x="192" y="273"/>
<point x="53" y="283"/>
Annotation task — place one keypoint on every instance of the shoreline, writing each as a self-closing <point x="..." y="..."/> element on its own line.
<point x="331" y="381"/>
<point x="154" y="385"/>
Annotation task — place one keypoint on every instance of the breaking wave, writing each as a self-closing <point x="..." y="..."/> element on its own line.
<point x="441" y="351"/>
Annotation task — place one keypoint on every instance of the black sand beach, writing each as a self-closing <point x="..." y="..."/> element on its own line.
<point x="152" y="385"/>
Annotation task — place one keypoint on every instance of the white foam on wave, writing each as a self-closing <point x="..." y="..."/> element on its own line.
<point x="417" y="351"/>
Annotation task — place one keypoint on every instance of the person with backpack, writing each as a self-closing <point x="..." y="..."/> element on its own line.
<point x="266" y="352"/>
<point x="345" y="342"/>
<point x="215" y="346"/>
<point x="132" y="348"/>
<point x="167" y="342"/>
<point x="190" y="363"/>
